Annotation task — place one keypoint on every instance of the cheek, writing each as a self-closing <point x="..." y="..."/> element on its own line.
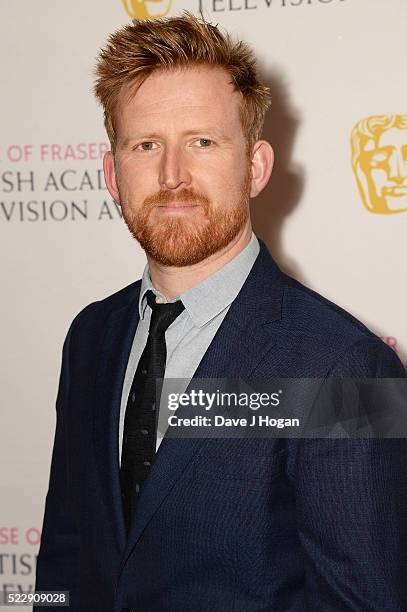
<point x="227" y="180"/>
<point x="135" y="185"/>
<point x="379" y="178"/>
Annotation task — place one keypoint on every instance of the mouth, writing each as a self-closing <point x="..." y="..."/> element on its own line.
<point x="177" y="207"/>
<point x="396" y="191"/>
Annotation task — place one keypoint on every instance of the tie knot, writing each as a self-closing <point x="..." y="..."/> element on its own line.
<point x="163" y="314"/>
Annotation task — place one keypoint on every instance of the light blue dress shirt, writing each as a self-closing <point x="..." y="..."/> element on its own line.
<point x="189" y="336"/>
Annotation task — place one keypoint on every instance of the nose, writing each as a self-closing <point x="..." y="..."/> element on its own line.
<point x="173" y="169"/>
<point x="398" y="167"/>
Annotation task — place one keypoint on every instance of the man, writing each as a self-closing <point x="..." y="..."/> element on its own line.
<point x="136" y="523"/>
<point x="379" y="159"/>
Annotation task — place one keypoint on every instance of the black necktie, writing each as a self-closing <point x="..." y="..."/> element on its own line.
<point x="140" y="422"/>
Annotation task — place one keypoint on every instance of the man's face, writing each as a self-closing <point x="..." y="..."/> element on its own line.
<point x="384" y="164"/>
<point x="181" y="168"/>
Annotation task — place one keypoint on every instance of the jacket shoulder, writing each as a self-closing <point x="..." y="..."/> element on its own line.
<point x="97" y="312"/>
<point x="343" y="342"/>
<point x="318" y="313"/>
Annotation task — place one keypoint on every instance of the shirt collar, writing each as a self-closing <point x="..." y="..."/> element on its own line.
<point x="209" y="297"/>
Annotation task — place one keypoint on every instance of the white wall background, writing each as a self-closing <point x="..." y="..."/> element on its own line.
<point x="329" y="64"/>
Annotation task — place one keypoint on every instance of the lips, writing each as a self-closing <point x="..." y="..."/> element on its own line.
<point x="177" y="207"/>
<point x="396" y="191"/>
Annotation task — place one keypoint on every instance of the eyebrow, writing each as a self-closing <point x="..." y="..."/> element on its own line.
<point x="197" y="132"/>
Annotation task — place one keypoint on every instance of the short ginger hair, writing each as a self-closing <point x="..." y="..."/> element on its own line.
<point x="138" y="49"/>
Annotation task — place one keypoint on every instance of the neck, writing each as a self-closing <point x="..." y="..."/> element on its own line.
<point x="172" y="281"/>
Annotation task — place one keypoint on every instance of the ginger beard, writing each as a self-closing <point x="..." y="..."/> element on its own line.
<point x="188" y="239"/>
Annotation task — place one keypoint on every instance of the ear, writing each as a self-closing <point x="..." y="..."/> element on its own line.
<point x="261" y="165"/>
<point x="110" y="176"/>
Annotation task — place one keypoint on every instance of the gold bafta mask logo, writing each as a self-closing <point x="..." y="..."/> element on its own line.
<point x="139" y="9"/>
<point x="379" y="160"/>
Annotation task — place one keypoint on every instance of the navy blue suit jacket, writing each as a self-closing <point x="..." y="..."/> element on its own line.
<point x="229" y="525"/>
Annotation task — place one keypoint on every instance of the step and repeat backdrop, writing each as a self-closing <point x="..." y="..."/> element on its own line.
<point x="334" y="214"/>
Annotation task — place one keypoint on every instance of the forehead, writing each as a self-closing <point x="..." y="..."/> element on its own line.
<point x="394" y="137"/>
<point x="181" y="96"/>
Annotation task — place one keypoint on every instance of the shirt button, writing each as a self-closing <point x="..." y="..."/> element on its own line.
<point x="159" y="299"/>
<point x="144" y="432"/>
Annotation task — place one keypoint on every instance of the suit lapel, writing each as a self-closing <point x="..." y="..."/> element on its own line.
<point x="238" y="347"/>
<point x="113" y="357"/>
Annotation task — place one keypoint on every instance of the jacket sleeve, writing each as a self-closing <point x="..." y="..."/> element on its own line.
<point x="351" y="501"/>
<point x="58" y="557"/>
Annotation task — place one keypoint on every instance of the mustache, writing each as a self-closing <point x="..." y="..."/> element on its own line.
<point x="164" y="197"/>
